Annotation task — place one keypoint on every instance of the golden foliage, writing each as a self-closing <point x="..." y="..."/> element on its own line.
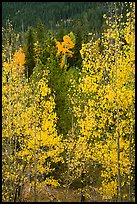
<point x="29" y="133"/>
<point x="64" y="48"/>
<point x="104" y="103"/>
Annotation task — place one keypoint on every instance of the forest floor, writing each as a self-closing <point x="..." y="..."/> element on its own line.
<point x="61" y="195"/>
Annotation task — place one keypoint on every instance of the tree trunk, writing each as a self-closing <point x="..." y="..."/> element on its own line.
<point x="35" y="168"/>
<point x="130" y="157"/>
<point x="118" y="118"/>
<point x="82" y="187"/>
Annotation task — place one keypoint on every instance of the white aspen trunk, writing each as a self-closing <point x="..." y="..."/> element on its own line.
<point x="130" y="152"/>
<point x="117" y="120"/>
<point x="68" y="172"/>
<point x="10" y="137"/>
<point x="130" y="158"/>
<point x="35" y="167"/>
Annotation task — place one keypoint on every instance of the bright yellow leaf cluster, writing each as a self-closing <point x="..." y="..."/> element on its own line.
<point x="104" y="103"/>
<point x="64" y="48"/>
<point x="29" y="136"/>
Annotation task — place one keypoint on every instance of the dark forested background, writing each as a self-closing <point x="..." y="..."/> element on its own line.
<point x="54" y="14"/>
<point x="60" y="17"/>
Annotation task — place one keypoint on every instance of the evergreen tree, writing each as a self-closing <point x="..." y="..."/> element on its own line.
<point x="40" y="32"/>
<point x="29" y="53"/>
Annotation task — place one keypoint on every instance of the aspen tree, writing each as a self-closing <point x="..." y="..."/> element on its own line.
<point x="103" y="104"/>
<point x="12" y="92"/>
<point x="32" y="126"/>
<point x="64" y="48"/>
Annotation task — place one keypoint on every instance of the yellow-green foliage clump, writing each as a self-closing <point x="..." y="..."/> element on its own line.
<point x="29" y="138"/>
<point x="103" y="104"/>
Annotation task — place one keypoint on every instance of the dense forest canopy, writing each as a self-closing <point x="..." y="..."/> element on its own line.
<point x="55" y="14"/>
<point x="51" y="13"/>
<point x="68" y="101"/>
